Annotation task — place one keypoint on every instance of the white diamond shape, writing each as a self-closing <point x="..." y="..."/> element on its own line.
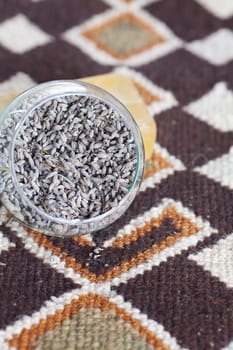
<point x="216" y="48"/>
<point x="5" y="244"/>
<point x="218" y="260"/>
<point x="219" y="169"/>
<point x="223" y="9"/>
<point x="15" y="84"/>
<point x="215" y="108"/>
<point x="19" y="34"/>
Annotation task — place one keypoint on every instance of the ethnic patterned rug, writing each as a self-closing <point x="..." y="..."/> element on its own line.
<point x="161" y="277"/>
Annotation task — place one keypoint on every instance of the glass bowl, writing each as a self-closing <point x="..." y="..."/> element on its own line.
<point x="11" y="122"/>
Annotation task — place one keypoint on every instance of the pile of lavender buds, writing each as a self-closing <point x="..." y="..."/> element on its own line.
<point x="74" y="158"/>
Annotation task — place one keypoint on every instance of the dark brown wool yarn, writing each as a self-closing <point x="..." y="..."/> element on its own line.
<point x="161" y="277"/>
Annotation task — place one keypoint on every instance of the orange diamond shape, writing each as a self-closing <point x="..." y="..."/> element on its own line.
<point x="98" y="315"/>
<point x="123" y="36"/>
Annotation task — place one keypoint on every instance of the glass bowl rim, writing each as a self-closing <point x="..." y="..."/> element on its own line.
<point x="86" y="89"/>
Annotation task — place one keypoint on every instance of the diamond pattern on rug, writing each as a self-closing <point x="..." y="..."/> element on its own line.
<point x="187" y="76"/>
<point x="214" y="107"/>
<point x="90" y="321"/>
<point x="159" y="167"/>
<point x="219" y="169"/>
<point x="191" y="147"/>
<point x="144" y="224"/>
<point x="134" y="244"/>
<point x="196" y="191"/>
<point x="223" y="11"/>
<point x="26" y="290"/>
<point x="123" y="37"/>
<point x="133" y="36"/>
<point x="19" y="35"/>
<point x="105" y="328"/>
<point x="180" y="289"/>
<point x="191" y="22"/>
<point x="156" y="98"/>
<point x="217" y="48"/>
<point x="217" y="259"/>
<point x="160" y="276"/>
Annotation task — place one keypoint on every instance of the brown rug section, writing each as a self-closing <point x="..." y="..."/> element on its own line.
<point x="90" y="329"/>
<point x="161" y="277"/>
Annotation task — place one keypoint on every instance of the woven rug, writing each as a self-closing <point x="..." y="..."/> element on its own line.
<point x="161" y="277"/>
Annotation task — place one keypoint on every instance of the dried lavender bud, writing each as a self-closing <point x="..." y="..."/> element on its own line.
<point x="75" y="157"/>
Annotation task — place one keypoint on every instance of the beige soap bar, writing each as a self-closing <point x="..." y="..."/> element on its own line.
<point x="124" y="90"/>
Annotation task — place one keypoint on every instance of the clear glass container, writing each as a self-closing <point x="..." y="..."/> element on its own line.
<point x="12" y="120"/>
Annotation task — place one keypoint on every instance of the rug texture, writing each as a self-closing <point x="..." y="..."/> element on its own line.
<point x="161" y="277"/>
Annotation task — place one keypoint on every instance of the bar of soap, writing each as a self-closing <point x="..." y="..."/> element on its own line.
<point x="123" y="88"/>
